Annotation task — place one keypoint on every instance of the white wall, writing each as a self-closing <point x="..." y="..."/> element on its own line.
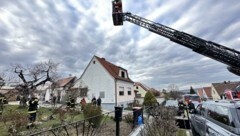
<point x="140" y="90"/>
<point x="141" y="99"/>
<point x="47" y="95"/>
<point x="125" y="97"/>
<point x="97" y="79"/>
<point x="215" y="94"/>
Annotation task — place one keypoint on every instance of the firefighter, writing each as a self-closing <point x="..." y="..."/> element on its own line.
<point x="181" y="107"/>
<point x="71" y="102"/>
<point x="191" y="107"/>
<point x="32" y="109"/>
<point x="1" y="103"/>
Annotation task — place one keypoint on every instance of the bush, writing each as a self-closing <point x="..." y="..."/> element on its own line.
<point x="129" y="119"/>
<point x="149" y="99"/>
<point x="161" y="125"/>
<point x="93" y="114"/>
<point x="15" y="121"/>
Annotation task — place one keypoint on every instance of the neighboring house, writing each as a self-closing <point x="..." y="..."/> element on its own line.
<point x="156" y="92"/>
<point x="108" y="81"/>
<point x="219" y="88"/>
<point x="42" y="91"/>
<point x="205" y="93"/>
<point x="140" y="89"/>
<point x="60" y="88"/>
<point x="9" y="92"/>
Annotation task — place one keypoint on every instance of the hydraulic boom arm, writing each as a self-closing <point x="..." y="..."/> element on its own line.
<point x="210" y="49"/>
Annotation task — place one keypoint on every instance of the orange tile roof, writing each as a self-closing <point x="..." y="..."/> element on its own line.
<point x="208" y="91"/>
<point x="141" y="85"/>
<point x="63" y="82"/>
<point x="113" y="69"/>
<point x="200" y="92"/>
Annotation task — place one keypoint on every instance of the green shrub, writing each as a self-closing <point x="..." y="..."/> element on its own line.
<point x="93" y="114"/>
<point x="15" y="121"/>
<point x="149" y="99"/>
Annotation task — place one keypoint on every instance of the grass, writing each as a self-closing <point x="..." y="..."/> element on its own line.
<point x="181" y="132"/>
<point x="41" y="114"/>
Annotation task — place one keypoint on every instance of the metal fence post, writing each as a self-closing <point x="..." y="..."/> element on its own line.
<point x="137" y="111"/>
<point x="118" y="118"/>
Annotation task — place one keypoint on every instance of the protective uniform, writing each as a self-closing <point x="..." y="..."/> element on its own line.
<point x="181" y="108"/>
<point x="71" y="102"/>
<point x="1" y="105"/>
<point x="3" y="100"/>
<point x="191" y="107"/>
<point x="32" y="109"/>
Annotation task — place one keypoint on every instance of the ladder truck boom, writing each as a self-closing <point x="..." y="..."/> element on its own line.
<point x="209" y="49"/>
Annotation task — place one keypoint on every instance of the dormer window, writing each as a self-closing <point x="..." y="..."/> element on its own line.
<point x="123" y="74"/>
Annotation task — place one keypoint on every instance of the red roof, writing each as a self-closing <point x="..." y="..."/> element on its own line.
<point x="221" y="87"/>
<point x="141" y="85"/>
<point x="208" y="91"/>
<point x="200" y="92"/>
<point x="63" y="82"/>
<point x="113" y="70"/>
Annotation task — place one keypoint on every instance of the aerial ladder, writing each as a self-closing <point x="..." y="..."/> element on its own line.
<point x="209" y="49"/>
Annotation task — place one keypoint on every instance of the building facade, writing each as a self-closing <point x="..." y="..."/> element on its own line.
<point x="109" y="82"/>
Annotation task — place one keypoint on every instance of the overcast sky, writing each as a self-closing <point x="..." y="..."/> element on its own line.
<point x="71" y="32"/>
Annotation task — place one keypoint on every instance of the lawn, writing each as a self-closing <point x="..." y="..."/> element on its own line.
<point x="14" y="115"/>
<point x="181" y="132"/>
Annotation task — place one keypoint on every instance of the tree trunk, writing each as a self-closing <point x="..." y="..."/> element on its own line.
<point x="23" y="101"/>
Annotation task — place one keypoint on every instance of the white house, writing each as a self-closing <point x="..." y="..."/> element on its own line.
<point x="59" y="89"/>
<point x="108" y="81"/>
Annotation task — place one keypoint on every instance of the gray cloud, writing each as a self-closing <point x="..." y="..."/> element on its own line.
<point x="70" y="32"/>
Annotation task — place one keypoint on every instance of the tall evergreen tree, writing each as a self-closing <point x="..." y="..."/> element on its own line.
<point x="149" y="99"/>
<point x="192" y="91"/>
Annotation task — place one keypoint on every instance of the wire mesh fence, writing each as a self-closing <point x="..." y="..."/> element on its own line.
<point x="79" y="128"/>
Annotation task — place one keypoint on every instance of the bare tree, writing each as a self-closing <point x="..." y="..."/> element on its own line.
<point x="174" y="91"/>
<point x="33" y="76"/>
<point x="172" y="87"/>
<point x="163" y="124"/>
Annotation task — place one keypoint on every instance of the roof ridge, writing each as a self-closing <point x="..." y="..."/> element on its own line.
<point x="113" y="69"/>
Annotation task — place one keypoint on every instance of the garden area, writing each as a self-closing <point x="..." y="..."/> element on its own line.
<point x="92" y="121"/>
<point x="14" y="121"/>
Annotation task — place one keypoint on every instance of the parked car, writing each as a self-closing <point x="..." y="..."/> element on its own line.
<point x="193" y="97"/>
<point x="216" y="118"/>
<point x="171" y="103"/>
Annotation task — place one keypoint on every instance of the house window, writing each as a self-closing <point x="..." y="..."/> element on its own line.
<point x="129" y="91"/>
<point x="136" y="87"/>
<point x="121" y="91"/>
<point x="83" y="92"/>
<point x="102" y="94"/>
<point x="123" y="74"/>
<point x="94" y="62"/>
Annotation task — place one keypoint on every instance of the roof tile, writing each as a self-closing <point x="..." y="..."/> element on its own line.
<point x="221" y="87"/>
<point x="63" y="82"/>
<point x="113" y="69"/>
